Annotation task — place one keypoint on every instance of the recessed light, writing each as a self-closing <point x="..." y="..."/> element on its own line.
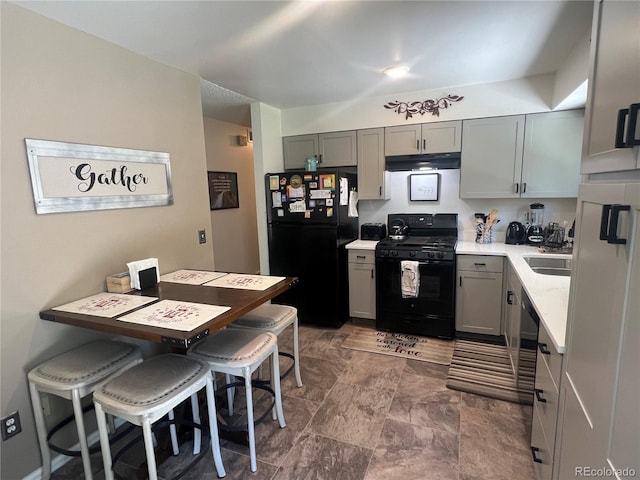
<point x="396" y="71"/>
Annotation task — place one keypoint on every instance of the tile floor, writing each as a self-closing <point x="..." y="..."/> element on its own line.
<point x="364" y="416"/>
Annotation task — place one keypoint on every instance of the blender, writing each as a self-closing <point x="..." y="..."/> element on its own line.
<point x="535" y="217"/>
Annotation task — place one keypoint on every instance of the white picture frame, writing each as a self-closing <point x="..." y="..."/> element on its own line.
<point x="424" y="186"/>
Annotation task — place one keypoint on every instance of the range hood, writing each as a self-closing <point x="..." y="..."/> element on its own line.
<point x="439" y="161"/>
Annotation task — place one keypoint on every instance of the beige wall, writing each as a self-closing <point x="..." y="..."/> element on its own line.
<point x="61" y="84"/>
<point x="234" y="236"/>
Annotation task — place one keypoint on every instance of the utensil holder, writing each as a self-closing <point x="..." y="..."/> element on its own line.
<point x="481" y="236"/>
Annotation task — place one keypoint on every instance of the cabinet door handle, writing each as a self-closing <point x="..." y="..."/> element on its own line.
<point x="480" y="264"/>
<point x="517" y="187"/>
<point x="424" y="144"/>
<point x="535" y="450"/>
<point x="372" y="273"/>
<point x="361" y="256"/>
<point x="460" y="282"/>
<point x="510" y="297"/>
<point x="604" y="222"/>
<point x="418" y="145"/>
<point x="380" y="188"/>
<point x="543" y="349"/>
<point x="524" y="187"/>
<point x="539" y="396"/>
<point x="622" y="117"/>
<point x="631" y="140"/>
<point x="612" y="235"/>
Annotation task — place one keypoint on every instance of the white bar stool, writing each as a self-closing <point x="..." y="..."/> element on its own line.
<point x="275" y="319"/>
<point x="74" y="375"/>
<point x="240" y="352"/>
<point x="146" y="393"/>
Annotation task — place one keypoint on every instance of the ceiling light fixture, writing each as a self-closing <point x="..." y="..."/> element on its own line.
<point x="396" y="71"/>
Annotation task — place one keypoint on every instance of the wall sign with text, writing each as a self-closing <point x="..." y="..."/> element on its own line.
<point x="71" y="177"/>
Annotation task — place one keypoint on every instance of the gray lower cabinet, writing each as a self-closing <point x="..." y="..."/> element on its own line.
<point x="600" y="391"/>
<point x="362" y="284"/>
<point x="512" y="300"/>
<point x="545" y="406"/>
<point x="479" y="294"/>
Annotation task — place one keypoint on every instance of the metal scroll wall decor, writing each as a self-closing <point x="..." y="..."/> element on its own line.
<point x="409" y="109"/>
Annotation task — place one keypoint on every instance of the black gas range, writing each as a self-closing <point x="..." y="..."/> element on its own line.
<point x="415" y="270"/>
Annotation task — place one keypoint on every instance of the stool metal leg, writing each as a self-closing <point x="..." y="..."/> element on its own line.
<point x="148" y="447"/>
<point x="275" y="361"/>
<point x="213" y="429"/>
<point x="296" y="361"/>
<point x="197" y="432"/>
<point x="173" y="432"/>
<point x="250" y="426"/>
<point x="230" y="394"/>
<point x="104" y="442"/>
<point x="41" y="430"/>
<point x="82" y="437"/>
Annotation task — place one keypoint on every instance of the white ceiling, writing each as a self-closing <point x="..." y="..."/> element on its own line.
<point x="289" y="54"/>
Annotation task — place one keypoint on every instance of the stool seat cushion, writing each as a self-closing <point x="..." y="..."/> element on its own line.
<point x="152" y="382"/>
<point x="234" y="346"/>
<point x="87" y="364"/>
<point x="268" y="316"/>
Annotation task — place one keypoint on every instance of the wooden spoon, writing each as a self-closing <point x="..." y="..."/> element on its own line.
<point x="491" y="220"/>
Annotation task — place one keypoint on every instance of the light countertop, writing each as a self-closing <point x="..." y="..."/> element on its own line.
<point x="362" y="245"/>
<point x="548" y="293"/>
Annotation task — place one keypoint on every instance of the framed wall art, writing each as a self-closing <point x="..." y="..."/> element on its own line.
<point x="223" y="190"/>
<point x="71" y="177"/>
<point x="424" y="186"/>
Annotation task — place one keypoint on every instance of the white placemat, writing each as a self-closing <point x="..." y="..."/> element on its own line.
<point x="191" y="277"/>
<point x="106" y="304"/>
<point x="244" y="281"/>
<point x="175" y="315"/>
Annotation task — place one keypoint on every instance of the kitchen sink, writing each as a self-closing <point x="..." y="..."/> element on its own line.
<point x="550" y="266"/>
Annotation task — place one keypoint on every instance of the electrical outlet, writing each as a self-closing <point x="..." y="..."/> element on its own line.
<point x="202" y="236"/>
<point x="11" y="425"/>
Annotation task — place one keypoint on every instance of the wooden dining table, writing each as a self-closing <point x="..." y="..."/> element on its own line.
<point x="240" y="301"/>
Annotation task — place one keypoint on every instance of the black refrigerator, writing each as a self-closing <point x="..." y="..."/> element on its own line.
<point x="309" y="224"/>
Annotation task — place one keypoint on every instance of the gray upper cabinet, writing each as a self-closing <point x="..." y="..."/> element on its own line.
<point x="297" y="149"/>
<point x="438" y="137"/>
<point x="491" y="157"/>
<point x="528" y="156"/>
<point x="337" y="149"/>
<point x="614" y="84"/>
<point x="333" y="149"/>
<point x="552" y="154"/>
<point x="372" y="175"/>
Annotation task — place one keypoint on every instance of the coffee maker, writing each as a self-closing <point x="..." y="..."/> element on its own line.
<point x="535" y="219"/>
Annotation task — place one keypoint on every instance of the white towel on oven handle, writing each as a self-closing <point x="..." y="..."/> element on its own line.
<point x="410" y="278"/>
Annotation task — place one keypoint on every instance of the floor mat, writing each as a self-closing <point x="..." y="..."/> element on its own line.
<point x="413" y="347"/>
<point x="485" y="369"/>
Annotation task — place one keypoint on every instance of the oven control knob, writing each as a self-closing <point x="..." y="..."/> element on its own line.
<point x="394" y="253"/>
<point x="412" y="253"/>
<point x="384" y="253"/>
<point x="430" y="254"/>
<point x="440" y="254"/>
